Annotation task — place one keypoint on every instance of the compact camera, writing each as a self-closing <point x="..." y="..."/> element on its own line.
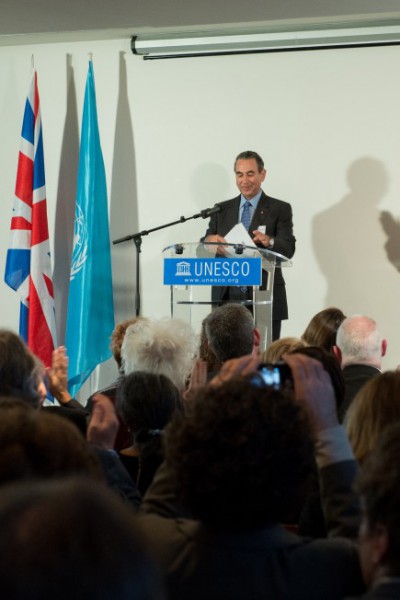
<point x="276" y="374"/>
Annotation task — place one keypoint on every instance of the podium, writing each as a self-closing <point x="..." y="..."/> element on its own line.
<point x="191" y="269"/>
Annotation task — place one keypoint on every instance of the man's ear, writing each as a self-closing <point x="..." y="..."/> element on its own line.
<point x="383" y="348"/>
<point x="379" y="544"/>
<point x="256" y="341"/>
<point x="338" y="353"/>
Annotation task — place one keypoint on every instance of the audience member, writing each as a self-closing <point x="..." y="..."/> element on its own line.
<point x="277" y="349"/>
<point x="331" y="366"/>
<point x="146" y="402"/>
<point x="117" y="339"/>
<point x="72" y="539"/>
<point x="359" y="349"/>
<point x="379" y="538"/>
<point x="36" y="444"/>
<point x="101" y="433"/>
<point x="23" y="375"/>
<point x="123" y="438"/>
<point x="164" y="347"/>
<point x="375" y="407"/>
<point x="237" y="461"/>
<point x="311" y="520"/>
<point x="231" y="332"/>
<point x="20" y="371"/>
<point x="322" y="329"/>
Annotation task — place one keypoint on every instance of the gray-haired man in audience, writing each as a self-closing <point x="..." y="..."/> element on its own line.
<point x="359" y="349"/>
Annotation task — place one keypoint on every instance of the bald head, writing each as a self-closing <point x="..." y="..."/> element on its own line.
<point x="358" y="341"/>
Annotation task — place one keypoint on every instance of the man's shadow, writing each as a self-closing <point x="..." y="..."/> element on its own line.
<point x="349" y="242"/>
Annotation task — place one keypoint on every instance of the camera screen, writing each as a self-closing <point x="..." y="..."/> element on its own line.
<point x="275" y="374"/>
<point x="271" y="375"/>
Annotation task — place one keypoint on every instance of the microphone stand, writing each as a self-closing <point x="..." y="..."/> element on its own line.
<point x="137" y="238"/>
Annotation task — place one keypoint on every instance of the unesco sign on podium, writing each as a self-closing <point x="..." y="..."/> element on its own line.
<point x="212" y="271"/>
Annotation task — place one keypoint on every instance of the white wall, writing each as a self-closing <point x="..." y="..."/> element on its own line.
<point x="326" y="122"/>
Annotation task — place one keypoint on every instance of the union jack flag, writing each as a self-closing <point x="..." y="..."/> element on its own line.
<point x="28" y="263"/>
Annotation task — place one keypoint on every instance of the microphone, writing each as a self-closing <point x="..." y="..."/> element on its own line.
<point x="207" y="212"/>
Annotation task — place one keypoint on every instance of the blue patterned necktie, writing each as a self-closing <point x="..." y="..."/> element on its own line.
<point x="246" y="220"/>
<point x="246" y="215"/>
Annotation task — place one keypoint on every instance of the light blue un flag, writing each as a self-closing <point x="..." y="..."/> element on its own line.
<point x="90" y="319"/>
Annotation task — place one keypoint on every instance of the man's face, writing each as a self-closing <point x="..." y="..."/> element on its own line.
<point x="248" y="177"/>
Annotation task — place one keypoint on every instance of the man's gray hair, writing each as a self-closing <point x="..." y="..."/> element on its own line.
<point x="164" y="347"/>
<point x="229" y="330"/>
<point x="248" y="155"/>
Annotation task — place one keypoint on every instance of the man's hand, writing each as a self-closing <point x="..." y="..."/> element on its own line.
<point x="312" y="384"/>
<point x="58" y="375"/>
<point x="261" y="238"/>
<point x="103" y="425"/>
<point x="197" y="380"/>
<point x="217" y="239"/>
<point x="236" y="367"/>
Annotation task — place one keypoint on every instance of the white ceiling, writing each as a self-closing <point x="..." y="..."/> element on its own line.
<point x="27" y="21"/>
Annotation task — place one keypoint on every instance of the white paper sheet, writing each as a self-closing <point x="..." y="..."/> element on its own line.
<point x="239" y="235"/>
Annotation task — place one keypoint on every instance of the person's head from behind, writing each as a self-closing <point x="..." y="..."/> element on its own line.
<point x="117" y="338"/>
<point x="278" y="348"/>
<point x="374" y="408"/>
<point x="72" y="539"/>
<point x="250" y="173"/>
<point x="165" y="347"/>
<point x="359" y="341"/>
<point x="230" y="332"/>
<point x="379" y="488"/>
<point x="242" y="455"/>
<point x="20" y="371"/>
<point x="146" y="402"/>
<point x="38" y="445"/>
<point x="322" y="329"/>
<point x="331" y="366"/>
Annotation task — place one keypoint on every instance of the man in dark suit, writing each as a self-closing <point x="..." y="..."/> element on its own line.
<point x="271" y="227"/>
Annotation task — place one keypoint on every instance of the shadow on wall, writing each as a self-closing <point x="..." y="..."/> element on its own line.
<point x="349" y="242"/>
<point x="391" y="226"/>
<point x="124" y="204"/>
<point x="65" y="211"/>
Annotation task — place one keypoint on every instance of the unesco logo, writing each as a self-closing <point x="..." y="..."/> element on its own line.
<point x="183" y="269"/>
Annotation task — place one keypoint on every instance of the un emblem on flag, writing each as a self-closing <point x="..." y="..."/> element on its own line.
<point x="80" y="249"/>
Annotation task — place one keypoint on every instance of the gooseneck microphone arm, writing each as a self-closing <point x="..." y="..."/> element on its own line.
<point x="137" y="238"/>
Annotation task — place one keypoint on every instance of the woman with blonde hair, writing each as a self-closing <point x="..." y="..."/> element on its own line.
<point x="278" y="348"/>
<point x="376" y="406"/>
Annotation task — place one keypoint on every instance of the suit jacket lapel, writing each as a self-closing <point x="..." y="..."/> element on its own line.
<point x="261" y="211"/>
